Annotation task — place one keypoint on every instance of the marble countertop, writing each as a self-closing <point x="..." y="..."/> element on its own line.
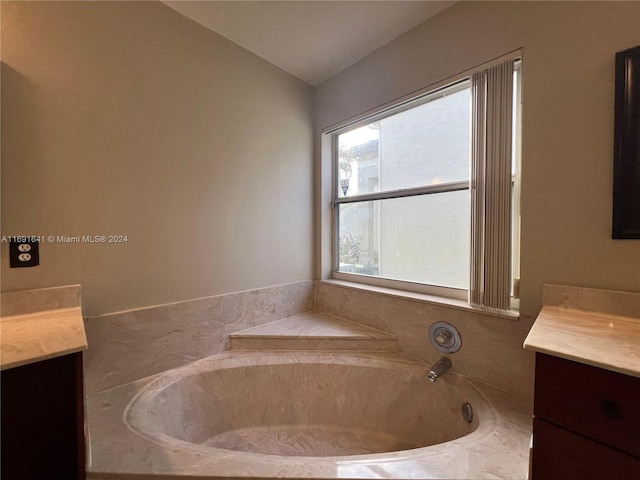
<point x="44" y="330"/>
<point x="603" y="340"/>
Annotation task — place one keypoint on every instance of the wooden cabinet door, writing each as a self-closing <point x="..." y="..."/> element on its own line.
<point x="596" y="403"/>
<point x="43" y="421"/>
<point x="559" y="454"/>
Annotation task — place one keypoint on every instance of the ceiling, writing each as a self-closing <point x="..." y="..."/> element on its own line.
<point x="312" y="40"/>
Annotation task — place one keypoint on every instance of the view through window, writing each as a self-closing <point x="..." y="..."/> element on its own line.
<point x="402" y="191"/>
<point x="422" y="234"/>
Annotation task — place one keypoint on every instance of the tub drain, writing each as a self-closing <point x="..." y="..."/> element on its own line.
<point x="467" y="412"/>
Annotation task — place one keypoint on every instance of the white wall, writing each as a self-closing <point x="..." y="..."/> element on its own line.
<point x="568" y="95"/>
<point x="128" y="118"/>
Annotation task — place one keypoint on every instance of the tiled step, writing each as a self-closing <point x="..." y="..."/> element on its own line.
<point x="313" y="331"/>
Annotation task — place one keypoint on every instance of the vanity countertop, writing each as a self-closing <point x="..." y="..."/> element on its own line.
<point x="596" y="338"/>
<point x="32" y="336"/>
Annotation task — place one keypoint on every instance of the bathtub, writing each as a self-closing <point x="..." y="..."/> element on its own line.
<point x="305" y="415"/>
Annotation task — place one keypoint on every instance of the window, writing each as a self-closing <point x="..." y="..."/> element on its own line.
<point x="413" y="185"/>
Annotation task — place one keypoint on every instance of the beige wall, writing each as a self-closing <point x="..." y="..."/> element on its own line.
<point x="127" y="118"/>
<point x="568" y="91"/>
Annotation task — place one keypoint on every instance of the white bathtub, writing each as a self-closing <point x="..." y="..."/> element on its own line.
<point x="304" y="415"/>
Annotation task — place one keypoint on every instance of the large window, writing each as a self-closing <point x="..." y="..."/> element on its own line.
<point x="410" y="184"/>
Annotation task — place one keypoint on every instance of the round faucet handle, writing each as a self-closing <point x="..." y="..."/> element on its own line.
<point x="444" y="337"/>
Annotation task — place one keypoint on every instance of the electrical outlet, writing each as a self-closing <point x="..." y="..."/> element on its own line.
<point x="24" y="254"/>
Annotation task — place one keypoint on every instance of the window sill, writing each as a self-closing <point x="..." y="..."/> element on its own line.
<point x="430" y="299"/>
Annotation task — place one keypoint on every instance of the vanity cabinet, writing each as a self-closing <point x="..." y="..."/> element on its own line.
<point x="43" y="420"/>
<point x="42" y="338"/>
<point x="586" y="422"/>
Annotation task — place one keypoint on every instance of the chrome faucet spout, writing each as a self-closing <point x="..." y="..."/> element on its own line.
<point x="438" y="369"/>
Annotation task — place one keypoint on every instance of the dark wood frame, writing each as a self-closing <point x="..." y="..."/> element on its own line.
<point x="626" y="163"/>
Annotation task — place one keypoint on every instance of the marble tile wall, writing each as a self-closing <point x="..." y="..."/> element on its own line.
<point x="491" y="346"/>
<point x="130" y="345"/>
<point x="624" y="304"/>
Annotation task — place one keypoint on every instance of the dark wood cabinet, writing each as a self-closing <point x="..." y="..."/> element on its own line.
<point x="587" y="422"/>
<point x="43" y="420"/>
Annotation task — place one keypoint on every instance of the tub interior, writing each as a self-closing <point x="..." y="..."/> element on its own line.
<point x="303" y="409"/>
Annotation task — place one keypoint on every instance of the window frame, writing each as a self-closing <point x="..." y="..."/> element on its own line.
<point x="411" y="101"/>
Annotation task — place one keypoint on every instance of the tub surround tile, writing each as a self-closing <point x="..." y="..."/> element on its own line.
<point x="504" y="431"/>
<point x="491" y="346"/>
<point x="40" y="324"/>
<point x="135" y="344"/>
<point x="130" y="345"/>
<point x="451" y="303"/>
<point x="588" y="335"/>
<point x="312" y="331"/>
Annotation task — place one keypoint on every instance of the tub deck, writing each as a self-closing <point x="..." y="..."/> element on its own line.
<point x="499" y="448"/>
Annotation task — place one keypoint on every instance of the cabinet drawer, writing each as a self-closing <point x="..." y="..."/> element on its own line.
<point x="597" y="403"/>
<point x="559" y="454"/>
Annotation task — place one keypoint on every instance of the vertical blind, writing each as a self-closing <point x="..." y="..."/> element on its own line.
<point x="490" y="183"/>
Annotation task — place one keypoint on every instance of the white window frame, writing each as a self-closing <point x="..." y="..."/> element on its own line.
<point x="412" y="101"/>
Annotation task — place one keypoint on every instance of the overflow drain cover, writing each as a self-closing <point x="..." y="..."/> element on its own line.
<point x="467" y="412"/>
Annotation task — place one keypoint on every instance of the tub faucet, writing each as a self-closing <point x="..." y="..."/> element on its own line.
<point x="439" y="368"/>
